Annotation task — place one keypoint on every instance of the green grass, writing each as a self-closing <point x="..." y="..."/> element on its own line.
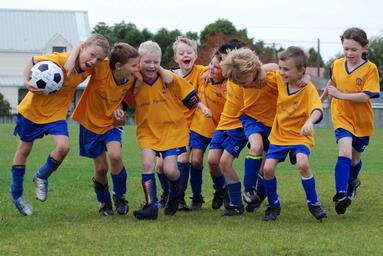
<point x="68" y="223"/>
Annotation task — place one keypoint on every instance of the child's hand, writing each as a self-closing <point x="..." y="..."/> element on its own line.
<point x="303" y="81"/>
<point x="307" y="128"/>
<point x="205" y="78"/>
<point x="119" y="115"/>
<point x="333" y="91"/>
<point x="33" y="89"/>
<point x="205" y="110"/>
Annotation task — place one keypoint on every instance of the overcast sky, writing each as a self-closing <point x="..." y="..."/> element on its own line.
<point x="285" y="22"/>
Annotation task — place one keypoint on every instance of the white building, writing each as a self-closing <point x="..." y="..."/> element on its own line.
<point x="25" y="33"/>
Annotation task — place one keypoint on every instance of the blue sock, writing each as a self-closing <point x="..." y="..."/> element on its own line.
<point x="252" y="165"/>
<point x="164" y="182"/>
<point x="102" y="192"/>
<point x="261" y="191"/>
<point x="309" y="187"/>
<point x="174" y="187"/>
<point x="354" y="170"/>
<point x="184" y="175"/>
<point x="234" y="192"/>
<point x="196" y="181"/>
<point x="47" y="168"/>
<point x="271" y="191"/>
<point x="219" y="182"/>
<point x="17" y="172"/>
<point x="150" y="189"/>
<point x="119" y="182"/>
<point x="342" y="174"/>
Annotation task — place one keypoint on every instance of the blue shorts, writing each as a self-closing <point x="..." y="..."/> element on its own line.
<point x="29" y="131"/>
<point x="92" y="144"/>
<point x="170" y="152"/>
<point x="252" y="126"/>
<point x="199" y="141"/>
<point x="280" y="152"/>
<point x="233" y="141"/>
<point x="358" y="143"/>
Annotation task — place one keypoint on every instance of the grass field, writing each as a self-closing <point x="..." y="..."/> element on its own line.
<point x="68" y="222"/>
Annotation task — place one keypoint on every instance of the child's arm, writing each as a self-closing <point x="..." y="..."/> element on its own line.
<point x="71" y="61"/>
<point x="308" y="127"/>
<point x="166" y="75"/>
<point x="119" y="116"/>
<point x="205" y="110"/>
<point x="26" y="78"/>
<point x="360" y="97"/>
<point x="138" y="82"/>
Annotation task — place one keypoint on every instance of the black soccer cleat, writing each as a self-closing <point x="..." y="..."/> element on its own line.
<point x="317" y="211"/>
<point x="272" y="212"/>
<point x="182" y="206"/>
<point x="163" y="200"/>
<point x="252" y="199"/>
<point x="196" y="204"/>
<point x="147" y="212"/>
<point x="353" y="184"/>
<point x="342" y="201"/>
<point x="121" y="204"/>
<point x="106" y="209"/>
<point x="172" y="205"/>
<point x="233" y="210"/>
<point x="220" y="196"/>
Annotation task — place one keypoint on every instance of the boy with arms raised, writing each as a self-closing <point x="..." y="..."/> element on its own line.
<point x="298" y="109"/>
<point x="161" y="128"/>
<point x="40" y="115"/>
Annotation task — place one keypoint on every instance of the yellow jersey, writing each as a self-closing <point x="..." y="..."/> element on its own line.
<point x="233" y="105"/>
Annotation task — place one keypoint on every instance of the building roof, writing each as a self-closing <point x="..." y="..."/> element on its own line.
<point x="31" y="30"/>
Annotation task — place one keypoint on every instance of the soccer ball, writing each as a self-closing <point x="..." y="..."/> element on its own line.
<point x="48" y="76"/>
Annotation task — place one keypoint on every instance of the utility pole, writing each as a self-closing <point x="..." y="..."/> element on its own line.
<point x="318" y="58"/>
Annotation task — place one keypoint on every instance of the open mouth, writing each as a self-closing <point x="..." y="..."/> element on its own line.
<point x="186" y="62"/>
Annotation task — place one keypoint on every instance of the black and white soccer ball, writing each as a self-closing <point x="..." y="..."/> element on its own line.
<point x="48" y="76"/>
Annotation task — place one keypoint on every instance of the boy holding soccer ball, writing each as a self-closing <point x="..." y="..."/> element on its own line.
<point x="41" y="114"/>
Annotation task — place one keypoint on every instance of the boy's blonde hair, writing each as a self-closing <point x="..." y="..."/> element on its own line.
<point x="185" y="40"/>
<point x="297" y="54"/>
<point x="149" y="47"/>
<point x="240" y="62"/>
<point x="100" y="41"/>
<point x="121" y="52"/>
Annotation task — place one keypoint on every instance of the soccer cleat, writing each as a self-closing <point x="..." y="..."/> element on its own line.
<point x="41" y="188"/>
<point x="196" y="204"/>
<point x="252" y="200"/>
<point x="220" y="196"/>
<point x="233" y="210"/>
<point x="317" y="211"/>
<point x="352" y="186"/>
<point x="342" y="201"/>
<point x="163" y="200"/>
<point x="172" y="205"/>
<point x="121" y="204"/>
<point x="23" y="207"/>
<point x="106" y="209"/>
<point x="272" y="212"/>
<point x="147" y="212"/>
<point x="182" y="206"/>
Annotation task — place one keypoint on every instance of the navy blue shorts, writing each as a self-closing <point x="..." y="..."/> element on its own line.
<point x="92" y="144"/>
<point x="280" y="152"/>
<point x="199" y="141"/>
<point x="29" y="131"/>
<point x="170" y="152"/>
<point x="252" y="126"/>
<point x="358" y="143"/>
<point x="233" y="141"/>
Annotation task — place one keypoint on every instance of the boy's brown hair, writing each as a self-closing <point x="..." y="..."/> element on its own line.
<point x="297" y="54"/>
<point x="121" y="52"/>
<point x="100" y="41"/>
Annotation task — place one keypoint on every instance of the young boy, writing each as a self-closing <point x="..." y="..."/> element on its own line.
<point x="99" y="104"/>
<point x="185" y="55"/>
<point x="213" y="95"/>
<point x="40" y="115"/>
<point x="257" y="115"/>
<point x="161" y="128"/>
<point x="298" y="109"/>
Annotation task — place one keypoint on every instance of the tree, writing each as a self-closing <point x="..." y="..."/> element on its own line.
<point x="219" y="26"/>
<point x="375" y="54"/>
<point x="312" y="61"/>
<point x="5" y="107"/>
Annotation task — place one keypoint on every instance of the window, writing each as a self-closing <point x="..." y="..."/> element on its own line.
<point x="59" y="49"/>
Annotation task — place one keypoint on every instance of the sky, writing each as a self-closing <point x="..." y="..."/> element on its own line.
<point x="283" y="22"/>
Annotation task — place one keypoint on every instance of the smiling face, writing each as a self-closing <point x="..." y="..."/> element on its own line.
<point x="289" y="71"/>
<point x="185" y="56"/>
<point x="127" y="70"/>
<point x="215" y="71"/>
<point x="90" y="56"/>
<point x="353" y="51"/>
<point x="150" y="64"/>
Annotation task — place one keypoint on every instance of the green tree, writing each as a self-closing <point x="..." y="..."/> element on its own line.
<point x="220" y="25"/>
<point x="375" y="54"/>
<point x="312" y="61"/>
<point x="5" y="107"/>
